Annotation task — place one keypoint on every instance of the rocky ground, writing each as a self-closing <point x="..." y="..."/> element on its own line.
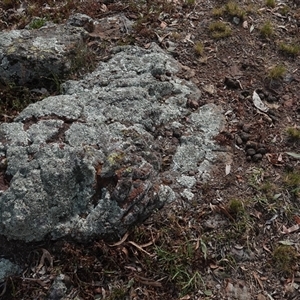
<point x="239" y="239"/>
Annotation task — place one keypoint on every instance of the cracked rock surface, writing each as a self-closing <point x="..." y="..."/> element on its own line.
<point x="115" y="146"/>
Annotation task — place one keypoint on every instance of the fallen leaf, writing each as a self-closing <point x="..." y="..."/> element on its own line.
<point x="245" y="24"/>
<point x="258" y="280"/>
<point x="209" y="88"/>
<point x="266" y="248"/>
<point x="286" y="243"/>
<point x="161" y="38"/>
<point x="293" y="154"/>
<point x="297" y="219"/>
<point x="104" y="8"/>
<point x="186" y="297"/>
<point x="258" y="103"/>
<point x="227" y="169"/>
<point x="290" y="229"/>
<point x="46" y="255"/>
<point x="261" y="297"/>
<point x="163" y="25"/>
<point x="188" y="39"/>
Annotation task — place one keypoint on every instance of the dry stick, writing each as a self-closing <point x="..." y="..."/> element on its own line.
<point x="124" y="238"/>
<point x="47" y="255"/>
<point x="140" y="248"/>
<point x="147" y="281"/>
<point x="4" y="289"/>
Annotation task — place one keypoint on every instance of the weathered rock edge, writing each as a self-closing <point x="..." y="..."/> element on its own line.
<point x="92" y="162"/>
<point x="42" y="56"/>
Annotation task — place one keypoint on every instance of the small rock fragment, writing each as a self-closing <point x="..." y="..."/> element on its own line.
<point x="231" y="83"/>
<point x="261" y="151"/>
<point x="244" y="136"/>
<point x="238" y="140"/>
<point x="193" y="104"/>
<point x="250" y="151"/>
<point x="7" y="268"/>
<point x="251" y="144"/>
<point x="257" y="157"/>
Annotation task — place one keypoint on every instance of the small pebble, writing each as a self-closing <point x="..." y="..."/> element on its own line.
<point x="260" y="145"/>
<point x="251" y="144"/>
<point x="245" y="136"/>
<point x="245" y="93"/>
<point x="193" y="104"/>
<point x="257" y="157"/>
<point x="177" y="133"/>
<point x="261" y="151"/>
<point x="272" y="98"/>
<point x="286" y="97"/>
<point x="236" y="20"/>
<point x="246" y="128"/>
<point x="231" y="83"/>
<point x="238" y="140"/>
<point x="250" y="151"/>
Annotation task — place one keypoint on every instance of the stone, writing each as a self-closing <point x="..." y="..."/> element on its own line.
<point x="7" y="268"/>
<point x="245" y="136"/>
<point x="58" y="289"/>
<point x="33" y="57"/>
<point x="238" y="140"/>
<point x="262" y="150"/>
<point x="257" y="157"/>
<point x="88" y="163"/>
<point x="250" y="151"/>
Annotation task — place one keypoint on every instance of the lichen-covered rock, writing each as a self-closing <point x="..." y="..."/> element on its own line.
<point x="94" y="161"/>
<point x="30" y="57"/>
<point x="7" y="268"/>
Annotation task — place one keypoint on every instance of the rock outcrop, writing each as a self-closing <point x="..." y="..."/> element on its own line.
<point x="35" y="56"/>
<point x="102" y="156"/>
<point x="7" y="268"/>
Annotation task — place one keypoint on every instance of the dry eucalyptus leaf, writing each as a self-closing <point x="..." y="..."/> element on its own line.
<point x="245" y="24"/>
<point x="258" y="103"/>
<point x="293" y="154"/>
<point x="209" y="88"/>
<point x="227" y="169"/>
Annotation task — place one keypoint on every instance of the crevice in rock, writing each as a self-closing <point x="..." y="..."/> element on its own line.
<point x="34" y="120"/>
<point x="108" y="183"/>
<point x="4" y="178"/>
<point x="59" y="136"/>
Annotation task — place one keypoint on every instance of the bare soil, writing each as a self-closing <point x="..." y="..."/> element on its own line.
<point x="239" y="238"/>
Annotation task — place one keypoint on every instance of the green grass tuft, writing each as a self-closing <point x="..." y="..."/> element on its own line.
<point x="270" y="3"/>
<point x="199" y="48"/>
<point x="219" y="30"/>
<point x="277" y="72"/>
<point x="289" y="49"/>
<point x="267" y="30"/>
<point x="285" y="259"/>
